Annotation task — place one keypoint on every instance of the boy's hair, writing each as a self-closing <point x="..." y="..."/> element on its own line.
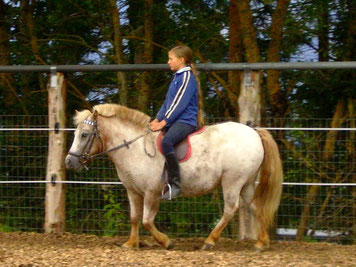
<point x="185" y="52"/>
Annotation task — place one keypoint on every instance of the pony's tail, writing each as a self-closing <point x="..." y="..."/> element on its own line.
<point x="268" y="192"/>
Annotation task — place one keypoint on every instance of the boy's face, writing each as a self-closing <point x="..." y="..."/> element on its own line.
<point x="175" y="63"/>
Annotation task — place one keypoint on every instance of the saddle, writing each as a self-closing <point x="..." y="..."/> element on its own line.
<point x="183" y="149"/>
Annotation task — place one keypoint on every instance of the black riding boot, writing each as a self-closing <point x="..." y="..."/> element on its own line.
<point x="173" y="177"/>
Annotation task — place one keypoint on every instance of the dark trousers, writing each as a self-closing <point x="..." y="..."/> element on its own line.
<point x="174" y="134"/>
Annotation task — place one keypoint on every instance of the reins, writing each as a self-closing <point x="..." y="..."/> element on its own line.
<point x="124" y="144"/>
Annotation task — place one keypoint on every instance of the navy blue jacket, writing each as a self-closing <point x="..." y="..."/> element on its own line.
<point x="181" y="103"/>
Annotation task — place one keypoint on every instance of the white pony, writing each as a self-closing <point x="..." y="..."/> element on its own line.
<point x="230" y="155"/>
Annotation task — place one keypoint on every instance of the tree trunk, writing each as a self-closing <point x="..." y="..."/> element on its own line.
<point x="29" y="7"/>
<point x="350" y="50"/>
<point x="28" y="39"/>
<point x="313" y="190"/>
<point x="144" y="90"/>
<point x="331" y="137"/>
<point x="6" y="79"/>
<point x="352" y="153"/>
<point x="5" y="56"/>
<point x="323" y="29"/>
<point x="351" y="102"/>
<point x="252" y="52"/>
<point x="235" y="55"/>
<point x="328" y="151"/>
<point x="305" y="217"/>
<point x="249" y="96"/>
<point x="118" y="52"/>
<point x="278" y="101"/>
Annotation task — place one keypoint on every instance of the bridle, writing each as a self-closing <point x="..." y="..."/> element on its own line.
<point x="84" y="157"/>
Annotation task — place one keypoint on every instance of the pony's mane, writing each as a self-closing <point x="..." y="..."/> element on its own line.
<point x="80" y="116"/>
<point x="110" y="110"/>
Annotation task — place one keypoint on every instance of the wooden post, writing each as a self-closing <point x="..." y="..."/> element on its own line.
<point x="250" y="99"/>
<point x="250" y="114"/>
<point x="56" y="171"/>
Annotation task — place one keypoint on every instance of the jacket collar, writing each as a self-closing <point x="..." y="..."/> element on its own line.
<point x="184" y="69"/>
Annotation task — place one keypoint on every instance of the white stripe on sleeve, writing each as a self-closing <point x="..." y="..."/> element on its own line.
<point x="179" y="94"/>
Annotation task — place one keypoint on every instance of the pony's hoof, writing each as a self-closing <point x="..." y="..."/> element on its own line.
<point x="257" y="249"/>
<point x="207" y="246"/>
<point x="130" y="247"/>
<point x="170" y="245"/>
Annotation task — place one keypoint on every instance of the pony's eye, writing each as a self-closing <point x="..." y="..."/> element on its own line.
<point x="84" y="135"/>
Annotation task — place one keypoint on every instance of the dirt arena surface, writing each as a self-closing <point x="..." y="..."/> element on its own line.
<point x="33" y="249"/>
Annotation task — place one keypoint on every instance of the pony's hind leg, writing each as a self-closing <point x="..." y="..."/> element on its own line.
<point x="248" y="228"/>
<point x="263" y="240"/>
<point x="231" y="204"/>
<point x="136" y="211"/>
<point x="151" y="204"/>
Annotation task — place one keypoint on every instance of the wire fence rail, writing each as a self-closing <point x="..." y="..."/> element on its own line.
<point x="97" y="201"/>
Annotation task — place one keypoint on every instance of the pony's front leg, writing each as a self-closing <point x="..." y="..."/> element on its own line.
<point x="150" y="209"/>
<point x="136" y="210"/>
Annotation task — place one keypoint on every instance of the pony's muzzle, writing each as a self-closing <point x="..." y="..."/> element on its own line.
<point x="72" y="163"/>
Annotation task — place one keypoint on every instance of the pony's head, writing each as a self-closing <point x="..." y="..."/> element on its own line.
<point x="86" y="141"/>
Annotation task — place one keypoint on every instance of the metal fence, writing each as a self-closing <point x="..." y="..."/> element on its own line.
<point x="103" y="208"/>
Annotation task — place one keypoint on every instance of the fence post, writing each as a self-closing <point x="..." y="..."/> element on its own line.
<point x="250" y="114"/>
<point x="250" y="99"/>
<point x="56" y="171"/>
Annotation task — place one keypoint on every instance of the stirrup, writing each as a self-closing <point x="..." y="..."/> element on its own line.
<point x="169" y="191"/>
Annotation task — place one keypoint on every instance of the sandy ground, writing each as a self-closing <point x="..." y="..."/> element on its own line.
<point x="33" y="249"/>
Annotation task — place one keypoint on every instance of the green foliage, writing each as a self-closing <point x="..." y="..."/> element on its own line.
<point x="310" y="239"/>
<point x="113" y="213"/>
<point x="6" y="229"/>
<point x="191" y="216"/>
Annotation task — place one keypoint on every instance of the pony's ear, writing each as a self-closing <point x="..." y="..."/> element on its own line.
<point x="76" y="112"/>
